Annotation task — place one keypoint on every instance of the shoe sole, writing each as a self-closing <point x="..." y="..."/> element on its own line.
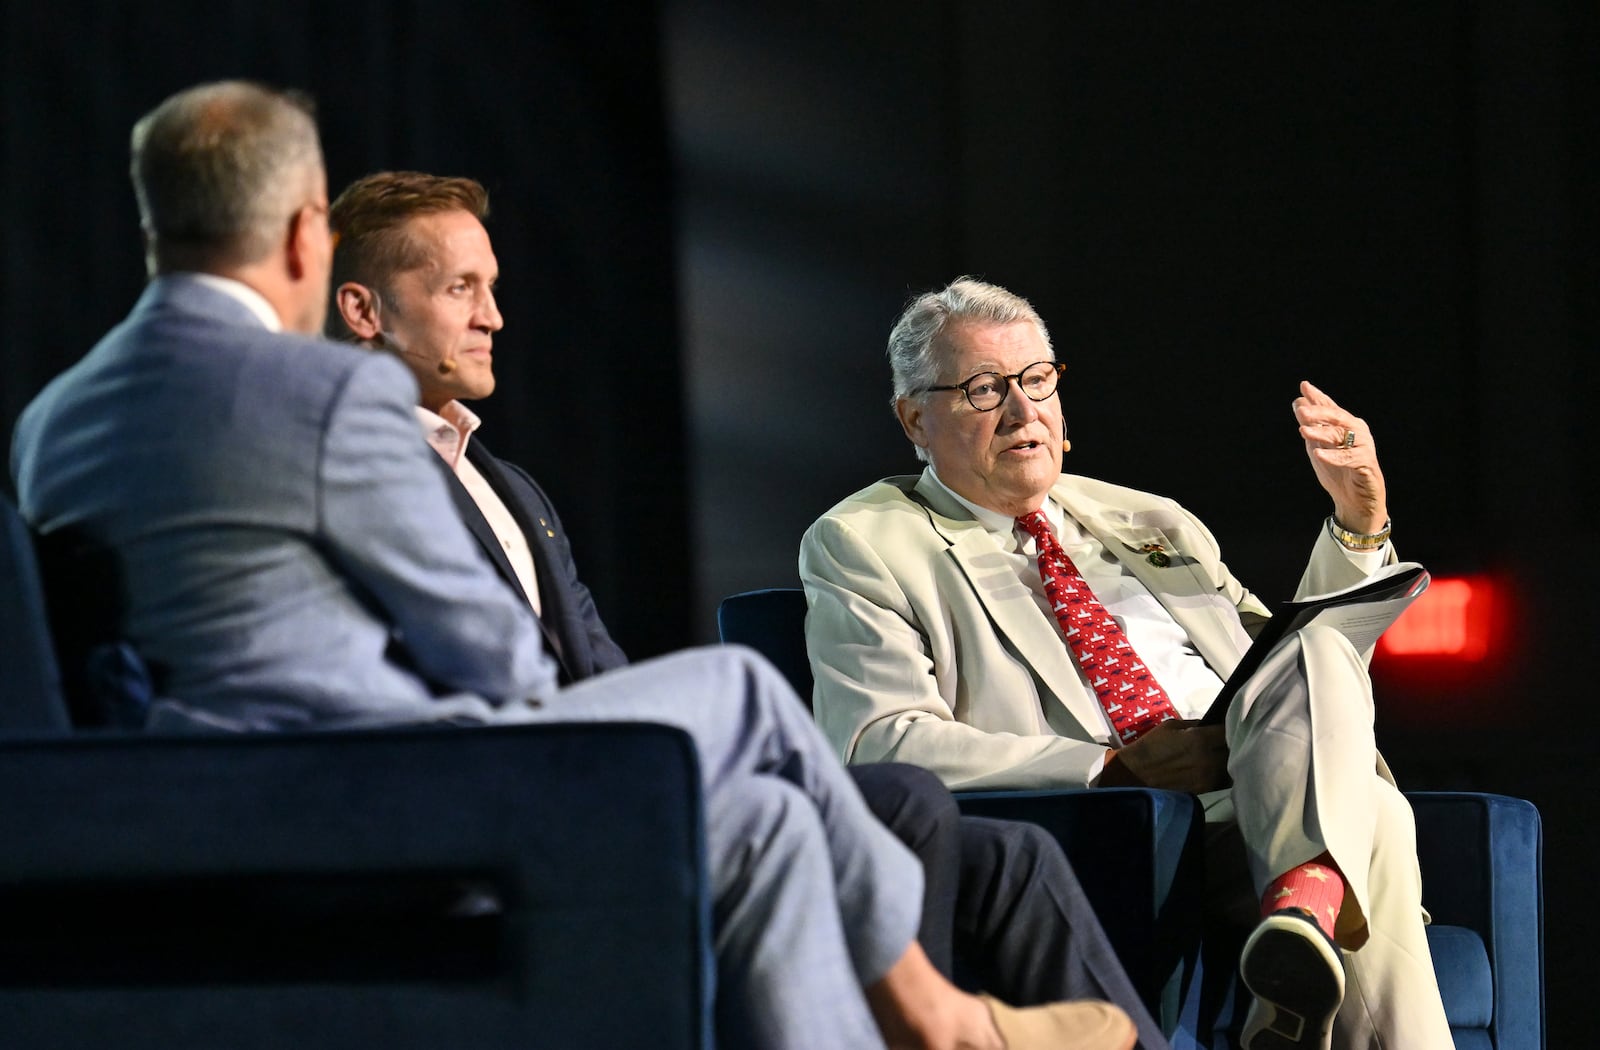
<point x="1297" y="979"/>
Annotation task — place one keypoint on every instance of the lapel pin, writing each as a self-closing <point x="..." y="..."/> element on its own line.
<point x="1156" y="555"/>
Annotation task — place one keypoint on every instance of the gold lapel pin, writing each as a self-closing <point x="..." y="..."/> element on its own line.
<point x="1156" y="555"/>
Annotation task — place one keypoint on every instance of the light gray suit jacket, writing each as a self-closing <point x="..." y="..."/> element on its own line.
<point x="926" y="649"/>
<point x="290" y="555"/>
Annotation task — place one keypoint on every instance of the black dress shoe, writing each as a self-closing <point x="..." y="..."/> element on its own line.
<point x="1294" y="971"/>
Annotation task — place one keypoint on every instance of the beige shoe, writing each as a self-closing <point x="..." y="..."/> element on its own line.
<point x="1083" y="1025"/>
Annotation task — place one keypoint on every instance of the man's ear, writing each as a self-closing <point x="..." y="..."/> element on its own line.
<point x="909" y="411"/>
<point x="358" y="307"/>
<point x="298" y="249"/>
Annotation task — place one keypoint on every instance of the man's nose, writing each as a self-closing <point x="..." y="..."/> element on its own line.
<point x="489" y="313"/>
<point x="1018" y="407"/>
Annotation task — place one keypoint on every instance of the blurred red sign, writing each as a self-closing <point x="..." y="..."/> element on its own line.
<point x="1453" y="619"/>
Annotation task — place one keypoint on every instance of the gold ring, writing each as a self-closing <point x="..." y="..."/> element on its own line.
<point x="1349" y="439"/>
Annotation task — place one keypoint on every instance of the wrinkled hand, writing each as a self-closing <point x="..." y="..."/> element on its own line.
<point x="1350" y="475"/>
<point x="1179" y="754"/>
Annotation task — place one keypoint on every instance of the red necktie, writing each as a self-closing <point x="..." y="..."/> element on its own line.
<point x="1133" y="700"/>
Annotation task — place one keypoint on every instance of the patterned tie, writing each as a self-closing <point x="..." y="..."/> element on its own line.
<point x="1133" y="700"/>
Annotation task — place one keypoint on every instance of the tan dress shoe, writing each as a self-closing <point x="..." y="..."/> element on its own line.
<point x="1084" y="1025"/>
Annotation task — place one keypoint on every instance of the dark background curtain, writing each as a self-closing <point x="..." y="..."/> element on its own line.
<point x="708" y="215"/>
<point x="556" y="108"/>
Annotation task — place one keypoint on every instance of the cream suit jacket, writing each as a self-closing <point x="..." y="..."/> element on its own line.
<point x="926" y="649"/>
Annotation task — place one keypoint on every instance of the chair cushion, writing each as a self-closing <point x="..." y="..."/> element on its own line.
<point x="1471" y="1039"/>
<point x="1465" y="983"/>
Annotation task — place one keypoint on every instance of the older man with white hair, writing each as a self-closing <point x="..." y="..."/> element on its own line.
<point x="1010" y="626"/>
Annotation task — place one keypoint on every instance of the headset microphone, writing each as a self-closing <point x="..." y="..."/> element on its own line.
<point x="444" y="367"/>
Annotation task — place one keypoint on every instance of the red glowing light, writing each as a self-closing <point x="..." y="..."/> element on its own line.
<point x="1452" y="619"/>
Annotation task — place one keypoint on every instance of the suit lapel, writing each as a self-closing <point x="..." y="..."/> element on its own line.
<point x="478" y="525"/>
<point x="554" y="618"/>
<point x="1132" y="536"/>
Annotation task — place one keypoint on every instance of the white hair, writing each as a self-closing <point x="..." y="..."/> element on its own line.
<point x="914" y="352"/>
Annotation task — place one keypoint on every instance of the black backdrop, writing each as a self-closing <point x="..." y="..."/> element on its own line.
<point x="555" y="107"/>
<point x="1207" y="202"/>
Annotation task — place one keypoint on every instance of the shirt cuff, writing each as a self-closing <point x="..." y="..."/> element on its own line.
<point x="1368" y="562"/>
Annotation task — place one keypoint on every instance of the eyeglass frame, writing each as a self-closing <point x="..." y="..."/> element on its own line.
<point x="1060" y="368"/>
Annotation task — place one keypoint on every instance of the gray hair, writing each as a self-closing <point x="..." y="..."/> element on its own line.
<point x="914" y="350"/>
<point x="216" y="168"/>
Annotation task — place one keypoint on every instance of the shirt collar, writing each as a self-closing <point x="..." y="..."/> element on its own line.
<point x="995" y="522"/>
<point x="448" y="430"/>
<point x="245" y="296"/>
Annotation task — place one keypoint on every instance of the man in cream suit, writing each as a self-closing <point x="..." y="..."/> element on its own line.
<point x="292" y="562"/>
<point x="936" y="639"/>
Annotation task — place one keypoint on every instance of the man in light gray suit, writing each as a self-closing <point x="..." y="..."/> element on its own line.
<point x="947" y="628"/>
<point x="292" y="561"/>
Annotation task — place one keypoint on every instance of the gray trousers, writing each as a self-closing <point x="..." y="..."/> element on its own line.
<point x="813" y="898"/>
<point x="1307" y="779"/>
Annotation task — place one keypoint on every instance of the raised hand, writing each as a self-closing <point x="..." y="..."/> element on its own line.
<point x="1340" y="447"/>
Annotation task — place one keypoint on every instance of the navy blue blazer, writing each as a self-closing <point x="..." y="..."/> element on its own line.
<point x="573" y="632"/>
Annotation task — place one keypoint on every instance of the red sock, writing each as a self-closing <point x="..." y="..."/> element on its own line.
<point x="1316" y="886"/>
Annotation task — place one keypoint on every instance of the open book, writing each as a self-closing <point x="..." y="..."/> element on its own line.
<point x="1360" y="612"/>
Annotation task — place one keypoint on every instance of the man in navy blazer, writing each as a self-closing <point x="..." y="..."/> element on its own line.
<point x="291" y="561"/>
<point x="405" y="240"/>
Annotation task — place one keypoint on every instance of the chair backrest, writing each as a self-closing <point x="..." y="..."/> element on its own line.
<point x="65" y="666"/>
<point x="773" y="623"/>
<point x="104" y="681"/>
<point x="30" y="680"/>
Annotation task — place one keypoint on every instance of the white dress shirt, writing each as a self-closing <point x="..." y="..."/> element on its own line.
<point x="245" y="295"/>
<point x="447" y="433"/>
